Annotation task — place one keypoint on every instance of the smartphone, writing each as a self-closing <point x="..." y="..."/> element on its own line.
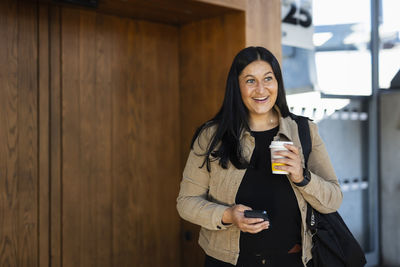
<point x="256" y="214"/>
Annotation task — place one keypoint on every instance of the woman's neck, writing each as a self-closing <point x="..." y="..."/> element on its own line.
<point x="265" y="122"/>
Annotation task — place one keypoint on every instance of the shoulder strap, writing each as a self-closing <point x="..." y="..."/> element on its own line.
<point x="304" y="135"/>
<point x="305" y="140"/>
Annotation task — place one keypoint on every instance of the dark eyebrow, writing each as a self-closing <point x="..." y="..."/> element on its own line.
<point x="249" y="75"/>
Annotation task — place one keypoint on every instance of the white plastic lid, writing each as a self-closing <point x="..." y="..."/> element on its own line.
<point x="279" y="144"/>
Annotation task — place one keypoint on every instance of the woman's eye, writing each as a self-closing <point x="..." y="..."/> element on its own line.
<point x="269" y="78"/>
<point x="250" y="81"/>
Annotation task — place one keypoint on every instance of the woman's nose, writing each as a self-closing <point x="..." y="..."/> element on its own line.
<point x="260" y="87"/>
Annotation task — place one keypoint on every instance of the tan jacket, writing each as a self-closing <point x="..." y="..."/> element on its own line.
<point x="204" y="196"/>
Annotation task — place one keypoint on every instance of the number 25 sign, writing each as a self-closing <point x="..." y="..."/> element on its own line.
<point x="297" y="27"/>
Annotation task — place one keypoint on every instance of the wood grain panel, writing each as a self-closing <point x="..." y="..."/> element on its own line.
<point x="263" y="25"/>
<point x="18" y="134"/>
<point x="147" y="131"/>
<point x="207" y="51"/>
<point x="120" y="141"/>
<point x="55" y="137"/>
<point x="44" y="136"/>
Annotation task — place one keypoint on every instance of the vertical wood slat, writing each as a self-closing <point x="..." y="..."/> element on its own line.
<point x="72" y="178"/>
<point x="8" y="131"/>
<point x="55" y="139"/>
<point x="44" y="137"/>
<point x="18" y="134"/>
<point x="103" y="108"/>
<point x="27" y="135"/>
<point x="86" y="141"/>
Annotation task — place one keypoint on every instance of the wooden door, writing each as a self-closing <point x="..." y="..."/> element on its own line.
<point x="96" y="116"/>
<point x="117" y="105"/>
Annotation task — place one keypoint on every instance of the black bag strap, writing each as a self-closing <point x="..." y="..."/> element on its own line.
<point x="303" y="129"/>
<point x="351" y="252"/>
<point x="304" y="135"/>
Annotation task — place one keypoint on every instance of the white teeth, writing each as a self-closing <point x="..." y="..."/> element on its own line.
<point x="261" y="98"/>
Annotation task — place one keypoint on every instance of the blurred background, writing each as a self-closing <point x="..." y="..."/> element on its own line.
<point x="99" y="100"/>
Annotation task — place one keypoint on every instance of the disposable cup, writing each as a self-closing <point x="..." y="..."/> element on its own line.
<point x="274" y="147"/>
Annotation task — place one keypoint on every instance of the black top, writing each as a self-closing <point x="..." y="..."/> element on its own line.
<point x="262" y="190"/>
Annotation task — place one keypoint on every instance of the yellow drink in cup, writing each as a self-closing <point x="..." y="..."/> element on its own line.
<point x="274" y="147"/>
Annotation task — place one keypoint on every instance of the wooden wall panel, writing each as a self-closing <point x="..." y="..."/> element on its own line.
<point x="55" y="136"/>
<point x="44" y="136"/>
<point x="18" y="134"/>
<point x="96" y="117"/>
<point x="120" y="141"/>
<point x="207" y="49"/>
<point x="263" y="25"/>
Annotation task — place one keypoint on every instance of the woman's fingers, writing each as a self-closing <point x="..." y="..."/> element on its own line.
<point x="286" y="161"/>
<point x="250" y="225"/>
<point x="242" y="208"/>
<point x="291" y="157"/>
<point x="251" y="221"/>
<point x="292" y="148"/>
<point x="255" y="228"/>
<point x="287" y="154"/>
<point x="292" y="162"/>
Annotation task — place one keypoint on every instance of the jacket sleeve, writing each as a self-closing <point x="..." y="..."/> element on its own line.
<point x="192" y="203"/>
<point x="323" y="191"/>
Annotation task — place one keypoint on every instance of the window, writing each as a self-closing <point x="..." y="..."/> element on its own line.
<point x="389" y="33"/>
<point x="342" y="46"/>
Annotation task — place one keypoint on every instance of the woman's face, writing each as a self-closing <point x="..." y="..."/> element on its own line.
<point x="259" y="88"/>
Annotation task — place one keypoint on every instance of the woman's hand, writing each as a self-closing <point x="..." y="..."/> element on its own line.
<point x="235" y="215"/>
<point x="293" y="163"/>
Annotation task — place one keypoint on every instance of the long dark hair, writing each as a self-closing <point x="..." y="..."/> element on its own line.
<point x="232" y="118"/>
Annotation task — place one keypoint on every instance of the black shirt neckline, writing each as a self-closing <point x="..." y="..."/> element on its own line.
<point x="265" y="131"/>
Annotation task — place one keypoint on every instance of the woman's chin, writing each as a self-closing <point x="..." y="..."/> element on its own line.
<point x="261" y="112"/>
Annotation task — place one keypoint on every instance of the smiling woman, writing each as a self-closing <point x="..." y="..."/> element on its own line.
<point x="229" y="171"/>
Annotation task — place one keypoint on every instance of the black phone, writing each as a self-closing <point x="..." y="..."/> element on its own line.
<point x="256" y="214"/>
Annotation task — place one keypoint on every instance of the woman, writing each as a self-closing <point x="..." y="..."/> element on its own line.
<point x="228" y="171"/>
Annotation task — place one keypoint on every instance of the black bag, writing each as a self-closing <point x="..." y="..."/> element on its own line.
<point x="333" y="243"/>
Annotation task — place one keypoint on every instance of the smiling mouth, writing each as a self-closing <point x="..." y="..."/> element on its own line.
<point x="261" y="99"/>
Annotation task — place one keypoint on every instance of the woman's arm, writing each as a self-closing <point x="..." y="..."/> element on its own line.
<point x="192" y="201"/>
<point x="323" y="191"/>
<point x="193" y="204"/>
